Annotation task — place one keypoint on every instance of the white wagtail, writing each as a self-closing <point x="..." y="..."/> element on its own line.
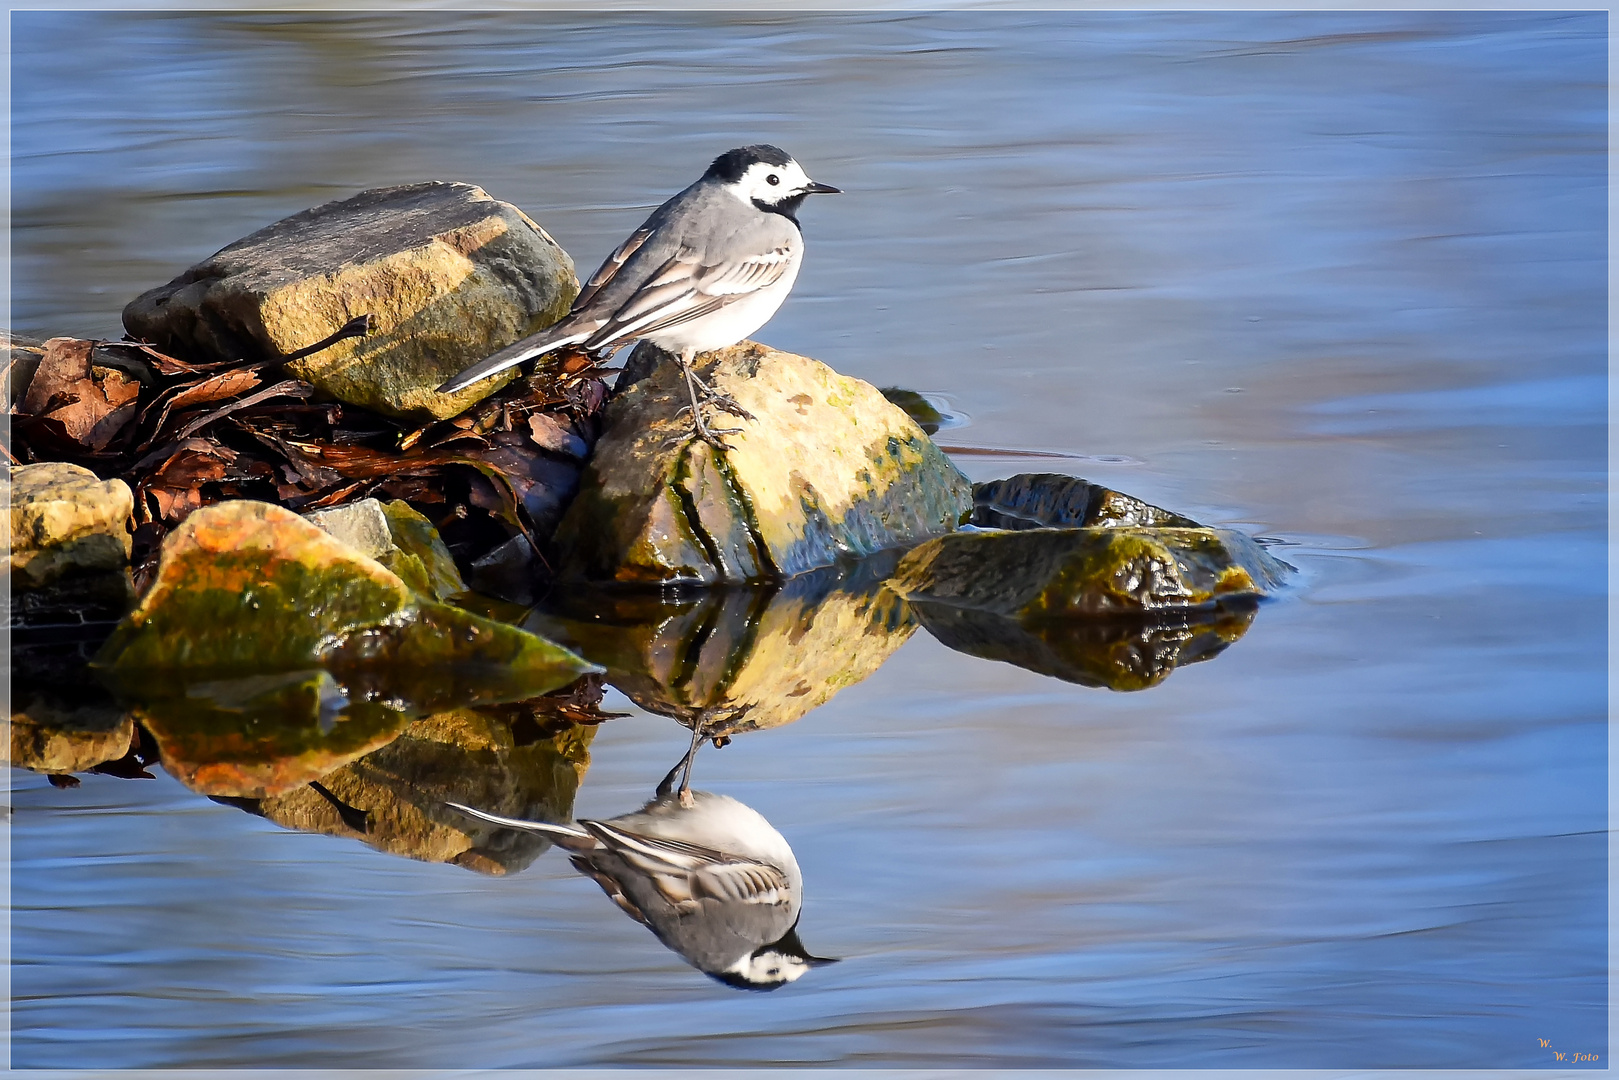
<point x="708" y="268"/>
<point x="709" y="876"/>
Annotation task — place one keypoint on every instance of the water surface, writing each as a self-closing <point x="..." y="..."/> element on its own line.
<point x="1333" y="278"/>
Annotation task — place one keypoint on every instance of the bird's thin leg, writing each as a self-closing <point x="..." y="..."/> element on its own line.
<point x="717" y="399"/>
<point x="686" y="763"/>
<point x="700" y="426"/>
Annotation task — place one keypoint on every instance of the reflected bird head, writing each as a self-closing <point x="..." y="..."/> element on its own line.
<point x="773" y="966"/>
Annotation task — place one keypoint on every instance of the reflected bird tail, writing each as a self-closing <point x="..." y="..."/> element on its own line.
<point x="546" y="827"/>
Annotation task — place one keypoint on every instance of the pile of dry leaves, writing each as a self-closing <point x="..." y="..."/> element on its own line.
<point x="184" y="435"/>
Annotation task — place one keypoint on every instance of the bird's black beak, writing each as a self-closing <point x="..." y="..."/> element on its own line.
<point x="789" y="944"/>
<point x="822" y="189"/>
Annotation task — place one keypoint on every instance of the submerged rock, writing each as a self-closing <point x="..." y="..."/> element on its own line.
<point x="448" y="274"/>
<point x="1062" y="573"/>
<point x="739" y="658"/>
<point x="1055" y="500"/>
<point x="248" y="588"/>
<point x="828" y="471"/>
<point x="400" y="539"/>
<point x="64" y="519"/>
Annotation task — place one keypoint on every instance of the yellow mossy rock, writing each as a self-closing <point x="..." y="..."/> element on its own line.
<point x="827" y="471"/>
<point x="448" y="274"/>
<point x="64" y="519"/>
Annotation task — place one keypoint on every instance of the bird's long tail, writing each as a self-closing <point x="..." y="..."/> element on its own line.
<point x="530" y="347"/>
<point x="560" y="831"/>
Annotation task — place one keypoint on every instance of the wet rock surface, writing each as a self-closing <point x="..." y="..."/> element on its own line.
<point x="1065" y="573"/>
<point x="65" y="520"/>
<point x="1055" y="500"/>
<point x="246" y="587"/>
<point x="448" y="274"/>
<point x="828" y="471"/>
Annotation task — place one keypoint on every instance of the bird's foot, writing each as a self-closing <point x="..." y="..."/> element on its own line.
<point x="723" y="402"/>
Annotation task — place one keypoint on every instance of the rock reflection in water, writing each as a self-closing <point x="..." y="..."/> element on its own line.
<point x="736" y="658"/>
<point x="1120" y="653"/>
<point x="709" y="876"/>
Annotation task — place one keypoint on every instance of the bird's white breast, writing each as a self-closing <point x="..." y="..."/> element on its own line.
<point x="735" y="321"/>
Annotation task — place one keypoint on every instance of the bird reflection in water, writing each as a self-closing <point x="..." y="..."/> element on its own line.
<point x="710" y="877"/>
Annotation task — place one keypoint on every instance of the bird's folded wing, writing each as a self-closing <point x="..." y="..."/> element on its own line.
<point x="607" y="270"/>
<point x="685" y="288"/>
<point x="684" y="871"/>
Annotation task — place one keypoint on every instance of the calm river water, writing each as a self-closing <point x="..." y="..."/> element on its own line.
<point x="1337" y="279"/>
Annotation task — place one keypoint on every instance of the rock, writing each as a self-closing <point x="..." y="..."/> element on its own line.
<point x="393" y="798"/>
<point x="64" y="519"/>
<point x="448" y="274"/>
<point x="741" y="658"/>
<point x="1116" y="653"/>
<point x="246" y="588"/>
<point x="1063" y="573"/>
<point x="1047" y="500"/>
<point x="400" y="539"/>
<point x="829" y="471"/>
<point x="51" y="735"/>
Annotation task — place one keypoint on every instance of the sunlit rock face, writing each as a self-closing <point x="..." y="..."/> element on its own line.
<point x="448" y="274"/>
<point x="1065" y="573"/>
<point x="827" y="471"/>
<point x="64" y="520"/>
<point x="246" y="587"/>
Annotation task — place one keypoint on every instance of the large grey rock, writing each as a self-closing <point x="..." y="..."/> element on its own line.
<point x="828" y="471"/>
<point x="64" y="519"/>
<point x="448" y="273"/>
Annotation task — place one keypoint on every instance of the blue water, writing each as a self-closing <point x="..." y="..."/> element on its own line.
<point x="1333" y="278"/>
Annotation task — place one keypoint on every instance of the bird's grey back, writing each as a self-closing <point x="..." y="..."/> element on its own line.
<point x="705" y="219"/>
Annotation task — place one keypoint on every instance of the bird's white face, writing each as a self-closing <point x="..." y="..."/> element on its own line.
<point x="771" y="184"/>
<point x="771" y="967"/>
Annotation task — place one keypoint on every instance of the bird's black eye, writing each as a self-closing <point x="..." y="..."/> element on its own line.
<point x="772" y="179"/>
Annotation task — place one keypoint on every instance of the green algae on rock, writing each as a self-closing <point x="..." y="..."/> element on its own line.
<point x="1062" y="573"/>
<point x="447" y="273"/>
<point x="246" y="587"/>
<point x="65" y="520"/>
<point x="828" y="471"/>
<point x="1056" y="500"/>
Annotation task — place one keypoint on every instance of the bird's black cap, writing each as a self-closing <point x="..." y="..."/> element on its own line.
<point x="730" y="165"/>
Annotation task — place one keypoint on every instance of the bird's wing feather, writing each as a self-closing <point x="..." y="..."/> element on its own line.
<point x="609" y="269"/>
<point x="682" y="871"/>
<point x="686" y="288"/>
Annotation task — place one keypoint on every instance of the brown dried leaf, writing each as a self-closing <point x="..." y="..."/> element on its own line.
<point x="226" y="384"/>
<point x="110" y="425"/>
<point x="65" y="365"/>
